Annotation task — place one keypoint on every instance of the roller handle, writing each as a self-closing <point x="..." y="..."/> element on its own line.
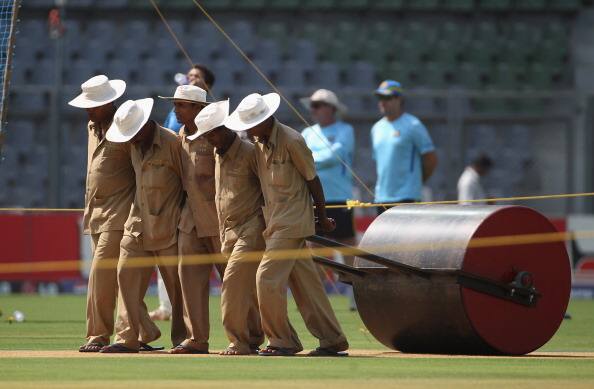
<point x="355" y="251"/>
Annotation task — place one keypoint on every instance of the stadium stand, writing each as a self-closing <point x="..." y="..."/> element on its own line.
<point x="429" y="45"/>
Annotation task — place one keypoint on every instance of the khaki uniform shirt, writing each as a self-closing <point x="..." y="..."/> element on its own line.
<point x="238" y="192"/>
<point x="157" y="203"/>
<point x="110" y="183"/>
<point x="198" y="170"/>
<point x="285" y="163"/>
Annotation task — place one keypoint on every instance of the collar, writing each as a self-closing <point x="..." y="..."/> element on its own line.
<point x="157" y="135"/>
<point x="98" y="130"/>
<point x="273" y="138"/>
<point x="233" y="149"/>
<point x="182" y="133"/>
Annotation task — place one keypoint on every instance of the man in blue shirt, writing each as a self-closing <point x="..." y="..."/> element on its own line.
<point x="199" y="75"/>
<point x="332" y="143"/>
<point x="402" y="148"/>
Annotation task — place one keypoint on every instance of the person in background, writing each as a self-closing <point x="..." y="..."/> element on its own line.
<point x="402" y="148"/>
<point x="201" y="76"/>
<point x="332" y="142"/>
<point x="469" y="184"/>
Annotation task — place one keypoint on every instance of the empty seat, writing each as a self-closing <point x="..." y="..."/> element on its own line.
<point x="284" y="4"/>
<point x="250" y="4"/>
<point x="387" y="4"/>
<point x="306" y="53"/>
<point x="495" y="5"/>
<point x="327" y="75"/>
<point x="531" y="5"/>
<point x="361" y="74"/>
<point x="225" y="73"/>
<point x="27" y="101"/>
<point x="118" y="69"/>
<point x="424" y="5"/>
<point x="506" y="76"/>
<point x="112" y="3"/>
<point x="459" y="5"/>
<point x="317" y="4"/>
<point x="78" y="72"/>
<point x="291" y="74"/>
<point x="354" y="4"/>
<point x="539" y="76"/>
<point x="267" y="51"/>
<point x="565" y="5"/>
<point x="20" y="132"/>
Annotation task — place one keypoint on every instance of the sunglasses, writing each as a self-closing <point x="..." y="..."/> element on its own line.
<point x="317" y="105"/>
<point x="386" y="98"/>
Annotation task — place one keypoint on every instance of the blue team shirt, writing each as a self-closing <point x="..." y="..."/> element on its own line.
<point x="397" y="150"/>
<point x="335" y="177"/>
<point x="171" y="122"/>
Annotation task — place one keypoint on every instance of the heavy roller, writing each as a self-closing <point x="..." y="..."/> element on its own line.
<point x="451" y="279"/>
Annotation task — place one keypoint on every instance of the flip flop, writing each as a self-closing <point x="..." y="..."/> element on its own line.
<point x="148" y="347"/>
<point x="92" y="347"/>
<point x="117" y="348"/>
<point x="181" y="349"/>
<point x="327" y="352"/>
<point x="271" y="351"/>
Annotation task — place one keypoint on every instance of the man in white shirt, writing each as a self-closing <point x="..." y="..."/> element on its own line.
<point x="469" y="184"/>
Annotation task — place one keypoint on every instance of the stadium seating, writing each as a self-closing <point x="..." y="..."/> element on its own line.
<point x="425" y="44"/>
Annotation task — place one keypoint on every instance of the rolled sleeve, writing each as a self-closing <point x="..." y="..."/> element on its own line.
<point x="302" y="159"/>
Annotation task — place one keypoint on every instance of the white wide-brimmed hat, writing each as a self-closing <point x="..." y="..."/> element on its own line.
<point x="98" y="91"/>
<point x="190" y="93"/>
<point x="324" y="96"/>
<point x="211" y="117"/>
<point x="129" y="119"/>
<point x="253" y="110"/>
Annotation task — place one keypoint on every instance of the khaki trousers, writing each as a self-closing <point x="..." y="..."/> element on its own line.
<point x="194" y="280"/>
<point x="239" y="299"/>
<point x="134" y="274"/>
<point x="301" y="275"/>
<point x="103" y="286"/>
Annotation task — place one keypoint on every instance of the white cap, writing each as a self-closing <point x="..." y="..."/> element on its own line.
<point x="129" y="119"/>
<point x="253" y="110"/>
<point x="98" y="91"/>
<point x="211" y="117"/>
<point x="324" y="96"/>
<point x="191" y="93"/>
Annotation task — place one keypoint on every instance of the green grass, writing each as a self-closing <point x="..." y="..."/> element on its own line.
<point x="57" y="323"/>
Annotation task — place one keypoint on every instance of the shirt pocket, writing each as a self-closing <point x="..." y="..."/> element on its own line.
<point x="281" y="172"/>
<point x="154" y="183"/>
<point x="204" y="164"/>
<point x="234" y="184"/>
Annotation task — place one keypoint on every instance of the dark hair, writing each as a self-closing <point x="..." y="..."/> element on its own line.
<point x="483" y="161"/>
<point x="209" y="77"/>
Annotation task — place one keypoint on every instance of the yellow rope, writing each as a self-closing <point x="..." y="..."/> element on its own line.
<point x="297" y="254"/>
<point x="359" y="204"/>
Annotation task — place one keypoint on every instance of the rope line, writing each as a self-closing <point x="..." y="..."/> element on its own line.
<point x="359" y="204"/>
<point x="300" y="254"/>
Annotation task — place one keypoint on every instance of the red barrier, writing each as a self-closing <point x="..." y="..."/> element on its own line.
<point x="40" y="238"/>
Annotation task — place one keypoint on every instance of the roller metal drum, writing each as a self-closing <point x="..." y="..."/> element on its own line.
<point x="437" y="279"/>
